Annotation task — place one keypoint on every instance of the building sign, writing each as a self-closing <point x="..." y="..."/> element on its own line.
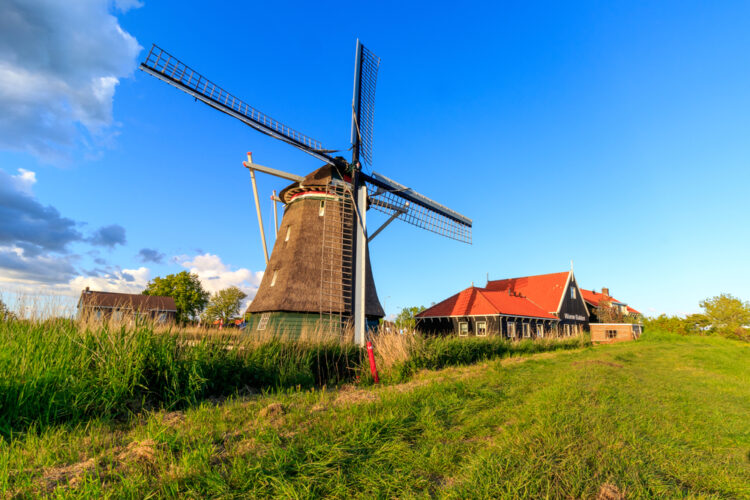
<point x="576" y="317"/>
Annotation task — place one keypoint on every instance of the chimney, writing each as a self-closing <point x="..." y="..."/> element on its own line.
<point x="87" y="290"/>
<point x="605" y="291"/>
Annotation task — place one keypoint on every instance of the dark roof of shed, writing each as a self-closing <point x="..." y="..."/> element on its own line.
<point x="90" y="298"/>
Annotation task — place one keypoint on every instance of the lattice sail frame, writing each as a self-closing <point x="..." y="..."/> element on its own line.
<point x="391" y="202"/>
<point x="164" y="63"/>
<point x="365" y="108"/>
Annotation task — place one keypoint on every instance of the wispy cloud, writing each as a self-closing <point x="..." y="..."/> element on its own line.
<point x="109" y="236"/>
<point x="151" y="255"/>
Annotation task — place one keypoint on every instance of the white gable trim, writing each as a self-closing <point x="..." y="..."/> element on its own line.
<point x="562" y="295"/>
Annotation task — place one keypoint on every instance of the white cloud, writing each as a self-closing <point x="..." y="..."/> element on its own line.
<point x="122" y="281"/>
<point x="60" y="63"/>
<point x="24" y="181"/>
<point x="215" y="275"/>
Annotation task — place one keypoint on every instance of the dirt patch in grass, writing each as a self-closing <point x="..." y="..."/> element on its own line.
<point x="596" y="362"/>
<point x="173" y="418"/>
<point x="350" y="395"/>
<point x="68" y="474"/>
<point x="273" y="412"/>
<point x="142" y="453"/>
<point x="137" y="453"/>
<point x="609" y="491"/>
<point x="409" y="386"/>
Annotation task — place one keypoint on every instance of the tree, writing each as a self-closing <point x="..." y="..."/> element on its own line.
<point x="224" y="304"/>
<point x="405" y="319"/>
<point x="606" y="313"/>
<point x="5" y="313"/>
<point x="186" y="290"/>
<point x="728" y="315"/>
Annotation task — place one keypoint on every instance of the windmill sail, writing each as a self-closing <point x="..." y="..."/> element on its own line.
<point x="363" y="104"/>
<point x="390" y="197"/>
<point x="169" y="69"/>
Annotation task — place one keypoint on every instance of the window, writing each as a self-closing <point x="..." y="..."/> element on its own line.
<point x="540" y="331"/>
<point x="573" y="292"/>
<point x="117" y="316"/>
<point x="481" y="328"/>
<point x="288" y="232"/>
<point x="463" y="328"/>
<point x="98" y="314"/>
<point x="512" y="329"/>
<point x="567" y="330"/>
<point x="263" y="321"/>
<point x="273" y="279"/>
<point x="526" y="330"/>
<point x="322" y="209"/>
<point x="162" y="318"/>
<point x="611" y="334"/>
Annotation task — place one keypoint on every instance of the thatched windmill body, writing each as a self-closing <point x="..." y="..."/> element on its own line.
<point x="319" y="270"/>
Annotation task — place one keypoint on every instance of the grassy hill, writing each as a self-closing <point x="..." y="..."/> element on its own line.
<point x="666" y="416"/>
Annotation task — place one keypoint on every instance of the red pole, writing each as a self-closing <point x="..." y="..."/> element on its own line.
<point x="373" y="368"/>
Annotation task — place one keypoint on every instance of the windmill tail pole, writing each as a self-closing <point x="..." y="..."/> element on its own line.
<point x="373" y="367"/>
<point x="248" y="164"/>
<point x="275" y="216"/>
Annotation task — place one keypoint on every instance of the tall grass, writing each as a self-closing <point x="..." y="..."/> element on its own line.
<point x="57" y="370"/>
<point x="61" y="370"/>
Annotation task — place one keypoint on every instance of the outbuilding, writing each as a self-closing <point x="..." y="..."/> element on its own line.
<point x="106" y="306"/>
<point x="608" y="333"/>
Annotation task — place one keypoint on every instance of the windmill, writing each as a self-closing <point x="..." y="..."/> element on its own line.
<point x="320" y="267"/>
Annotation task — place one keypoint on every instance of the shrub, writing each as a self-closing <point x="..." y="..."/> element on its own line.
<point x="434" y="353"/>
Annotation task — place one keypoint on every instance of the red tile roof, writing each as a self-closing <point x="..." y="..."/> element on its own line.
<point x="544" y="290"/>
<point x="594" y="298"/>
<point x="479" y="301"/>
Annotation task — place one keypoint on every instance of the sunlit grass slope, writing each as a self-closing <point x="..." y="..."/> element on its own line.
<point x="663" y="417"/>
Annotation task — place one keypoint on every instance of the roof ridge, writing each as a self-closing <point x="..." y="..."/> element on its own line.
<point x="480" y="290"/>
<point x="522" y="297"/>
<point x="530" y="276"/>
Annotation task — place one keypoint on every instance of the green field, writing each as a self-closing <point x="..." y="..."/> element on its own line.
<point x="666" y="416"/>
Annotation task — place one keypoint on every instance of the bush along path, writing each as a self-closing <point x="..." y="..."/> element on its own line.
<point x="632" y="420"/>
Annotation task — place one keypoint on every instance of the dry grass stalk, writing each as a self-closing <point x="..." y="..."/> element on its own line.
<point x="393" y="347"/>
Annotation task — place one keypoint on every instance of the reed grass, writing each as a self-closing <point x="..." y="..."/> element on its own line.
<point x="61" y="371"/>
<point x="67" y="371"/>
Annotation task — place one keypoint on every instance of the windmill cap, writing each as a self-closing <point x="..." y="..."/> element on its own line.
<point x="313" y="181"/>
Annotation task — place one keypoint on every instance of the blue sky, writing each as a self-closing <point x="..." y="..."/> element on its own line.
<point x="607" y="133"/>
